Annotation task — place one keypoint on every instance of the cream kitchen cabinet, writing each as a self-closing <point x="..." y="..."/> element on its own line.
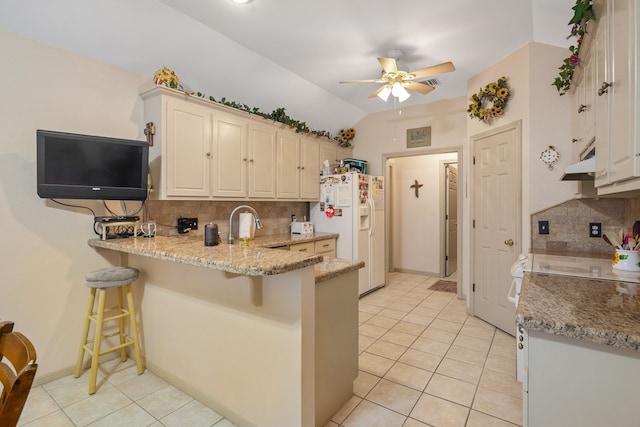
<point x="326" y="247"/>
<point x="205" y="150"/>
<point x="584" y="105"/>
<point x="617" y="137"/>
<point x="297" y="167"/>
<point x="244" y="156"/>
<point x="180" y="162"/>
<point x="330" y="150"/>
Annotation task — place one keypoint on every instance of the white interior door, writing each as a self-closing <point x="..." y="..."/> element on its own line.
<point x="496" y="222"/>
<point x="451" y="219"/>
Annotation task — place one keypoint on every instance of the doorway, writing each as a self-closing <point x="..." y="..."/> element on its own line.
<point x="496" y="218"/>
<point x="416" y="237"/>
<point x="450" y="218"/>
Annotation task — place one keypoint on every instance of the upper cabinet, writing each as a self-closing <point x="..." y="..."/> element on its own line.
<point x="332" y="152"/>
<point x="205" y="150"/>
<point x="298" y="171"/>
<point x="617" y="138"/>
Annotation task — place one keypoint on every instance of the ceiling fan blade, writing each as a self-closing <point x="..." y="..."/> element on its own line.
<point x="445" y="67"/>
<point x="374" y="94"/>
<point x="361" y="81"/>
<point x="388" y="65"/>
<point x="419" y="87"/>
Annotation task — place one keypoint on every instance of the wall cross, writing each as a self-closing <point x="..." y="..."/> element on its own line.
<point x="416" y="187"/>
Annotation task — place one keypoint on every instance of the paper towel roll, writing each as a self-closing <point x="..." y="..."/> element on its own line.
<point x="246" y="228"/>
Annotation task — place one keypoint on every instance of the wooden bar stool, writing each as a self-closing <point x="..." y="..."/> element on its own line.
<point x="99" y="281"/>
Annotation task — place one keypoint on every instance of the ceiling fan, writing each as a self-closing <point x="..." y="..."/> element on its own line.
<point x="397" y="80"/>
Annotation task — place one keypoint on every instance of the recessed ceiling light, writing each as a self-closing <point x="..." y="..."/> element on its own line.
<point x="241" y="1"/>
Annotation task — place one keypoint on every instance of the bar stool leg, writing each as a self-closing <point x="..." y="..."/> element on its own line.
<point x="123" y="350"/>
<point x="85" y="334"/>
<point x="134" y="329"/>
<point x="97" y="340"/>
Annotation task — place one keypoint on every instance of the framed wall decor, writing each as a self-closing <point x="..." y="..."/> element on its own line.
<point x="419" y="137"/>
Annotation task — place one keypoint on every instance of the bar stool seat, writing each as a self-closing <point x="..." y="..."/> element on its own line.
<point x="99" y="281"/>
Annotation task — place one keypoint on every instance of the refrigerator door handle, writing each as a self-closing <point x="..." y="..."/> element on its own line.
<point x="372" y="216"/>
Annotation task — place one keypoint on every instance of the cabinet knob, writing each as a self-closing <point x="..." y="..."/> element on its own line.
<point x="582" y="108"/>
<point x="302" y="167"/>
<point x="508" y="242"/>
<point x="208" y="154"/>
<point x="251" y="161"/>
<point x="244" y="160"/>
<point x="604" y="88"/>
<point x="520" y="346"/>
<point x="574" y="140"/>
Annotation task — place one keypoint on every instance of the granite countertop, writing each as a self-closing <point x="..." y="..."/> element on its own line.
<point x="255" y="260"/>
<point x="602" y="311"/>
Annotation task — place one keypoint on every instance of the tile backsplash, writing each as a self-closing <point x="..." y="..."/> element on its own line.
<point x="569" y="224"/>
<point x="275" y="216"/>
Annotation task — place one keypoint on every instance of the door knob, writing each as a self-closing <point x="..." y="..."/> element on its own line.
<point x="508" y="242"/>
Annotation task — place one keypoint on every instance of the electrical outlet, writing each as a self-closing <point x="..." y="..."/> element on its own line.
<point x="543" y="227"/>
<point x="595" y="229"/>
<point x="187" y="224"/>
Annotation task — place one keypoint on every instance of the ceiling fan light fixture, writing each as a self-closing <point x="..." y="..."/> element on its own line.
<point x="241" y="1"/>
<point x="384" y="93"/>
<point x="399" y="92"/>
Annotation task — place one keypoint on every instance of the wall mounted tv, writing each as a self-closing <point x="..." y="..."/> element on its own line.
<point x="73" y="166"/>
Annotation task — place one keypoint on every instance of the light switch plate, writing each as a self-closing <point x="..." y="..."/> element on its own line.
<point x="543" y="227"/>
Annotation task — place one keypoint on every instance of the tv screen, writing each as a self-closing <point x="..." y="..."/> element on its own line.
<point x="74" y="166"/>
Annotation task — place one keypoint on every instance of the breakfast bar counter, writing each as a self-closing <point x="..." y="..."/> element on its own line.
<point x="266" y="337"/>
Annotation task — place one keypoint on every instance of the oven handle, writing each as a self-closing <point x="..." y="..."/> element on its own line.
<point x="509" y="297"/>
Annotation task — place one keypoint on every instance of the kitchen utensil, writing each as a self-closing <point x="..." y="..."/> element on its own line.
<point x="606" y="239"/>
<point x="613" y="239"/>
<point x="636" y="228"/>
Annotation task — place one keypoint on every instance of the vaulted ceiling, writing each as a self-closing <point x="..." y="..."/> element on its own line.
<point x="291" y="52"/>
<point x="326" y="41"/>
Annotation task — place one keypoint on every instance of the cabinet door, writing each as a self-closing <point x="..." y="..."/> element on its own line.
<point x="288" y="175"/>
<point x="230" y="156"/>
<point x="188" y="149"/>
<point x="602" y="101"/>
<point x="262" y="161"/>
<point x="309" y="170"/>
<point x="345" y="153"/>
<point x="622" y="144"/>
<point x="328" y="151"/>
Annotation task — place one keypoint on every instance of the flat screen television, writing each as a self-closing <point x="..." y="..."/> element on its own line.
<point x="74" y="166"/>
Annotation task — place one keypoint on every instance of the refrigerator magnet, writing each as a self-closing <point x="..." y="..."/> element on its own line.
<point x="329" y="211"/>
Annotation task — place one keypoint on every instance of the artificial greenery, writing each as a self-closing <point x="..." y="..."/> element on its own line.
<point x="583" y="13"/>
<point x="489" y="103"/>
<point x="167" y="77"/>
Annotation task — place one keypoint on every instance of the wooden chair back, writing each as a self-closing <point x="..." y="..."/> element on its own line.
<point x="17" y="370"/>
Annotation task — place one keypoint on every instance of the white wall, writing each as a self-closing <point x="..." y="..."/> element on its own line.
<point x="44" y="254"/>
<point x="546" y="120"/>
<point x="416" y="236"/>
<point x="383" y="134"/>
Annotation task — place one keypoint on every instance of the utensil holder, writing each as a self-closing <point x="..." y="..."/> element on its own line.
<point x="626" y="260"/>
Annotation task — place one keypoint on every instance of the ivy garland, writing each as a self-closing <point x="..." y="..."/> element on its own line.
<point x="167" y="77"/>
<point x="495" y="93"/>
<point x="583" y="13"/>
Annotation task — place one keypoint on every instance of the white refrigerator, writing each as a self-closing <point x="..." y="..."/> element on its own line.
<point x="352" y="205"/>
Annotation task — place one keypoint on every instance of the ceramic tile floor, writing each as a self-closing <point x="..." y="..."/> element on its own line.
<point x="423" y="362"/>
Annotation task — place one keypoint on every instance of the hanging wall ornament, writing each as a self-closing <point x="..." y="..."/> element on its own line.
<point x="489" y="103"/>
<point x="549" y="156"/>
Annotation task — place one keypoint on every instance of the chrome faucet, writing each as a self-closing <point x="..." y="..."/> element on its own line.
<point x="255" y="218"/>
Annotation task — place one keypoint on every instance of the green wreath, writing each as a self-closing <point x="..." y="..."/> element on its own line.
<point x="489" y="103"/>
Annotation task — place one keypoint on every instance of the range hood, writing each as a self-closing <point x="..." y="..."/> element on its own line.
<point x="581" y="171"/>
